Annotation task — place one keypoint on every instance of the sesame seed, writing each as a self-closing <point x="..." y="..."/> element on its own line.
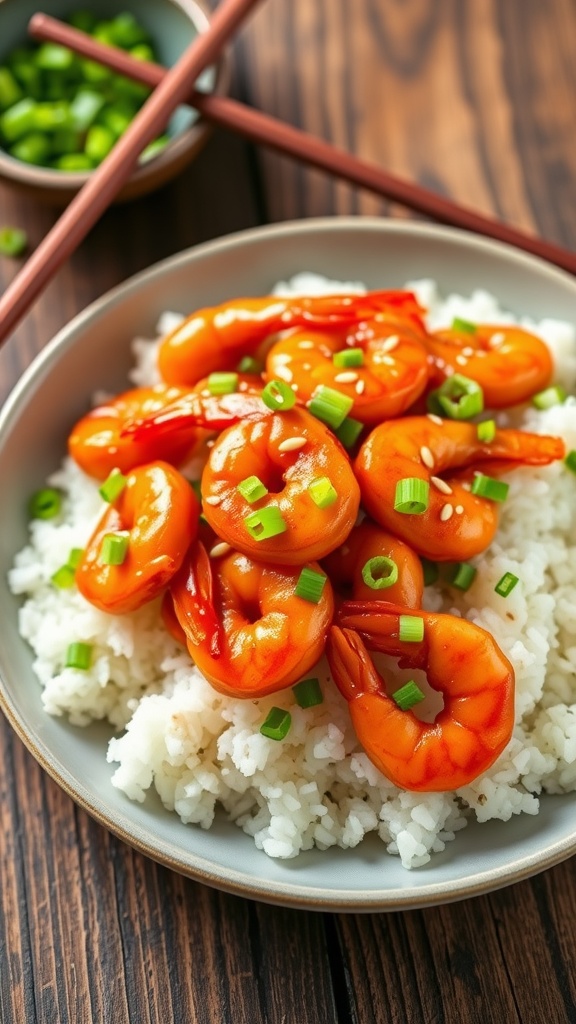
<point x="305" y="344"/>
<point x="282" y="358"/>
<point x="213" y="499"/>
<point x="441" y="485"/>
<point x="220" y="549"/>
<point x="446" y="512"/>
<point x="459" y="509"/>
<point x="291" y="444"/>
<point x="497" y="339"/>
<point x="440" y="363"/>
<point x="388" y="360"/>
<point x="347" y="377"/>
<point x="468" y="351"/>
<point x="360" y="385"/>
<point x="306" y="366"/>
<point x="283" y="373"/>
<point x="461" y="360"/>
<point x="294" y="387"/>
<point x="427" y="457"/>
<point x="435" y="419"/>
<point x="390" y="343"/>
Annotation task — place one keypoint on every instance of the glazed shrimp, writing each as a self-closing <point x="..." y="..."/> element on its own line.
<point x="216" y="338"/>
<point x="158" y="511"/>
<point x="98" y="442"/>
<point x="461" y="661"/>
<point x="445" y="454"/>
<point x="510" y="363"/>
<point x="246" y="629"/>
<point x="366" y="541"/>
<point x="286" y="451"/>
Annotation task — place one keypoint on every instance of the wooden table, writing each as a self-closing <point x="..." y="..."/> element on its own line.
<point x="476" y="101"/>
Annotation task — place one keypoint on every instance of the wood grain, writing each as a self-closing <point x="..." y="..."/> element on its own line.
<point x="476" y="101"/>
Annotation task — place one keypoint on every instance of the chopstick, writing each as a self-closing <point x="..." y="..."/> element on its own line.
<point x="268" y="131"/>
<point x="91" y="201"/>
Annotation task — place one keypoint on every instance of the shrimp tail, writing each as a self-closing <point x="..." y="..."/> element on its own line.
<point x="214" y="412"/>
<point x="192" y="594"/>
<point x="522" y="447"/>
<point x="350" y="664"/>
<point x="379" y="622"/>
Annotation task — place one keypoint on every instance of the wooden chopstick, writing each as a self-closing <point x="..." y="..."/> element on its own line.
<point x="105" y="182"/>
<point x="261" y="128"/>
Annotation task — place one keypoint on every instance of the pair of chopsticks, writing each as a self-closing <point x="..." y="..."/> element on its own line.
<point x="175" y="86"/>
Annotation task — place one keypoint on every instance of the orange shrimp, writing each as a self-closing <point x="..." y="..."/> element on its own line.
<point x="445" y="454"/>
<point x="246" y="629"/>
<point x="98" y="443"/>
<point x="286" y="451"/>
<point x="368" y="540"/>
<point x="511" y="364"/>
<point x="159" y="512"/>
<point x="461" y="661"/>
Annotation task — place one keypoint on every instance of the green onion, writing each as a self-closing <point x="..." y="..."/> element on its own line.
<point x="349" y="357"/>
<point x="330" y="406"/>
<point x="486" y="431"/>
<point x="10" y="91"/>
<point x="45" y="504"/>
<point x="221" y="383"/>
<point x="75" y="557"/>
<point x="252" y="489"/>
<point x="411" y="496"/>
<point x="268" y="522"/>
<point x="114" y="548"/>
<point x="410" y="628"/>
<point x="380" y="572"/>
<point x="462" y="575"/>
<point x="278" y="396"/>
<point x="310" y="585"/>
<point x="13" y="241"/>
<point x="277" y="724"/>
<point x="430" y="570"/>
<point x="408" y="695"/>
<point x="465" y="326"/>
<point x="84" y="108"/>
<point x="124" y="30"/>
<point x="322" y="492"/>
<point x="83" y="20"/>
<point x="570" y="460"/>
<point x="308" y="693"/>
<point x="349" y="431"/>
<point x="549" y="397"/>
<point x="64" y="577"/>
<point x="506" y="584"/>
<point x="112" y="486"/>
<point x="458" y="398"/>
<point x="153" y="148"/>
<point x="74" y="162"/>
<point x="32" y="149"/>
<point x="18" y="120"/>
<point x="99" y="142"/>
<point x="53" y="57"/>
<point x="78" y="655"/>
<point x="250" y="365"/>
<point x="487" y="487"/>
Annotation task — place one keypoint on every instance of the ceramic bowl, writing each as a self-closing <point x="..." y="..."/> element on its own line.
<point x="94" y="352"/>
<point x="172" y="25"/>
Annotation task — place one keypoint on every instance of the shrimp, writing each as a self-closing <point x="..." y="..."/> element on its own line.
<point x="461" y="661"/>
<point x="216" y="337"/>
<point x="366" y="541"/>
<point x="510" y="363"/>
<point x="445" y="454"/>
<point x="246" y="629"/>
<point x="99" y="444"/>
<point x="159" y="512"/>
<point x="286" y="451"/>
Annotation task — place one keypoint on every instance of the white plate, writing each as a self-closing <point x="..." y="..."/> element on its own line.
<point x="93" y="352"/>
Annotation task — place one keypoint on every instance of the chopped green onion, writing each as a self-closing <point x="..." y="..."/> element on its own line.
<point x="18" y="120"/>
<point x="330" y="406"/>
<point x="486" y="431"/>
<point x="250" y="365"/>
<point x="75" y="557"/>
<point x="408" y="695"/>
<point x="322" y="492"/>
<point x="410" y="628"/>
<point x="32" y="149"/>
<point x="411" y="496"/>
<point x="268" y="522"/>
<point x="221" y="383"/>
<point x="74" y="162"/>
<point x="487" y="487"/>
<point x="570" y="460"/>
<point x="10" y="91"/>
<point x="64" y="577"/>
<point x="506" y="584"/>
<point x="349" y="357"/>
<point x="45" y="504"/>
<point x="430" y="570"/>
<point x="53" y="57"/>
<point x="349" y="431"/>
<point x="84" y="108"/>
<point x="549" y="397"/>
<point x="308" y="693"/>
<point x="99" y="142"/>
<point x="278" y="396"/>
<point x="462" y="575"/>
<point x="153" y="148"/>
<point x="112" y="486"/>
<point x="252" y="489"/>
<point x="380" y="572"/>
<point x="465" y="326"/>
<point x="13" y="241"/>
<point x="114" y="548"/>
<point x="458" y="398"/>
<point x="78" y="655"/>
<point x="310" y="585"/>
<point x="277" y="724"/>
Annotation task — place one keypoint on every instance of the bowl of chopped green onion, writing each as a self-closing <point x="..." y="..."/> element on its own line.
<point x="61" y="114"/>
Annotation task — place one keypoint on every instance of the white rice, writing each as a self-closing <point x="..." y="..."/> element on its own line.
<point x="201" y="750"/>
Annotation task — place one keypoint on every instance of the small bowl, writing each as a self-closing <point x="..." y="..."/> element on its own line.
<point x="172" y="25"/>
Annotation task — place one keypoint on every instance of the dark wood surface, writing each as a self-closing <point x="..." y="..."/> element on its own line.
<point x="476" y="100"/>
